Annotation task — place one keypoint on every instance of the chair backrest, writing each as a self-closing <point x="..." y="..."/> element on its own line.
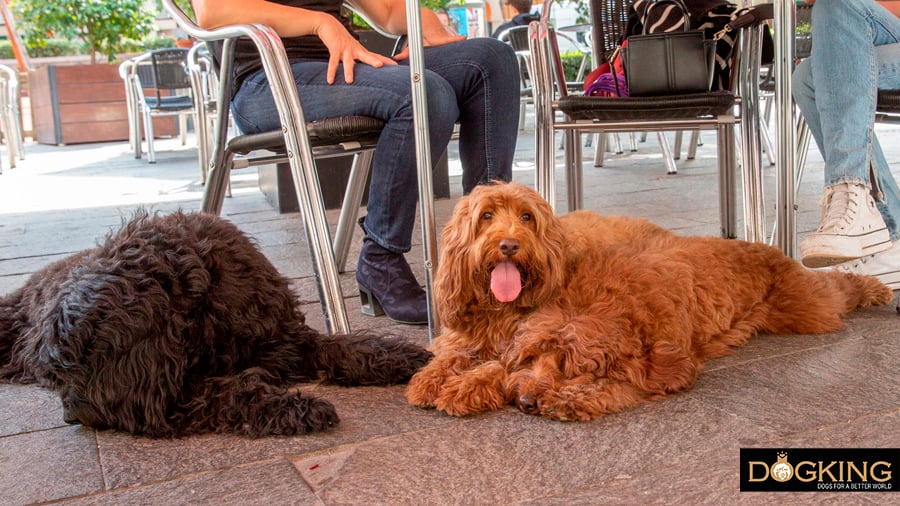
<point x="170" y="68"/>
<point x="516" y="36"/>
<point x="608" y="21"/>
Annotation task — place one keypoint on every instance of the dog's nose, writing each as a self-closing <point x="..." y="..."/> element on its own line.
<point x="509" y="247"/>
<point x="527" y="403"/>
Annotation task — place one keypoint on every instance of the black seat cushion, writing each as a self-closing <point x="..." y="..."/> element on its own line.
<point x="171" y="103"/>
<point x="889" y="101"/>
<point x="326" y="132"/>
<point x="694" y="105"/>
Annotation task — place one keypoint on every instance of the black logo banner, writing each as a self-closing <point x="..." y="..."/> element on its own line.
<point x="819" y="469"/>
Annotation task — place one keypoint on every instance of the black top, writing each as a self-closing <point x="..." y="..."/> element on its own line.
<point x="307" y="47"/>
<point x="518" y="20"/>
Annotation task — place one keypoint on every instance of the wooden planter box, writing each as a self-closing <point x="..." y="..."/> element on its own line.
<point x="72" y="104"/>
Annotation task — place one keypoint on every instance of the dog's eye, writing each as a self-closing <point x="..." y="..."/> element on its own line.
<point x="487" y="216"/>
<point x="526" y="217"/>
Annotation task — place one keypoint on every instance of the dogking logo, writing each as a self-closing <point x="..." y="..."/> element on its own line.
<point x="781" y="470"/>
<point x="818" y="469"/>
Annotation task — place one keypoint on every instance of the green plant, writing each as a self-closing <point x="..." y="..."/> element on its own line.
<point x="803" y="28"/>
<point x="151" y="43"/>
<point x="104" y="25"/>
<point x="571" y="60"/>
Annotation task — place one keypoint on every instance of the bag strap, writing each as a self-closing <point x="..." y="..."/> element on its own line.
<point x="685" y="14"/>
<point x="754" y="16"/>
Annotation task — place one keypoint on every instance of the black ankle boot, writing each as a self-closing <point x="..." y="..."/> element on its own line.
<point x="388" y="286"/>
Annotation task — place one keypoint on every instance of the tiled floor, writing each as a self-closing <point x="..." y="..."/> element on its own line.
<point x="835" y="390"/>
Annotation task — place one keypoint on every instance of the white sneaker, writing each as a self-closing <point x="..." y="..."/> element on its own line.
<point x="885" y="266"/>
<point x="851" y="228"/>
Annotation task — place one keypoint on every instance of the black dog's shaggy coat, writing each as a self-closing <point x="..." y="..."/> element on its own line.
<point x="178" y="325"/>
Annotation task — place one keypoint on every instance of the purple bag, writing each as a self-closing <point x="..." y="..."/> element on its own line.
<point x="607" y="85"/>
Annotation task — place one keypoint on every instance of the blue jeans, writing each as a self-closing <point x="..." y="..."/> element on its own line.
<point x="474" y="82"/>
<point x="855" y="50"/>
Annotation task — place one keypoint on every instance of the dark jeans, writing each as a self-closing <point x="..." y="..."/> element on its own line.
<point x="474" y="82"/>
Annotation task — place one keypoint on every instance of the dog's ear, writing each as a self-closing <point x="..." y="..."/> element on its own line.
<point x="115" y="347"/>
<point x="453" y="282"/>
<point x="551" y="255"/>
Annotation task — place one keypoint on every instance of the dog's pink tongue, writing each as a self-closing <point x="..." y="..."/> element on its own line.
<point x="506" y="282"/>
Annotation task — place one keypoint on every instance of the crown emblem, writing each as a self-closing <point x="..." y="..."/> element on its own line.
<point x="782" y="470"/>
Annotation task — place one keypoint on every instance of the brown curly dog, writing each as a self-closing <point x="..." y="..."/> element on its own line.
<point x="576" y="316"/>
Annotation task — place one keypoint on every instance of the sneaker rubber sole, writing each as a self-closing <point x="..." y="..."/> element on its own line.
<point x="818" y="250"/>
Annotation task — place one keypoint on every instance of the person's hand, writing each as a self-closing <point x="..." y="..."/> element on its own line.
<point x="434" y="38"/>
<point x="344" y="49"/>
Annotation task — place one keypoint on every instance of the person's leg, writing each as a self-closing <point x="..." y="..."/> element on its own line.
<point x="834" y="90"/>
<point x="384" y="276"/>
<point x="888" y="58"/>
<point x="382" y="93"/>
<point x="484" y="75"/>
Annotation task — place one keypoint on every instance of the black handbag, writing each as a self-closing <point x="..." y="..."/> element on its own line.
<point x="669" y="63"/>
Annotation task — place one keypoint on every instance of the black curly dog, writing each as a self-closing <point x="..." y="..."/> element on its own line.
<point x="178" y="325"/>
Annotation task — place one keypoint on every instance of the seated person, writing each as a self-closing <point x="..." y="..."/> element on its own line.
<point x="474" y="82"/>
<point x="861" y="206"/>
<point x="522" y="17"/>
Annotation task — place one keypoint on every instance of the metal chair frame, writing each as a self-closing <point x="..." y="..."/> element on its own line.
<point x="159" y="71"/>
<point x="10" y="115"/>
<point x="738" y="106"/>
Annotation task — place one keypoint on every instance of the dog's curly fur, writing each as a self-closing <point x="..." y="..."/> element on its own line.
<point x="613" y="311"/>
<point x="178" y="325"/>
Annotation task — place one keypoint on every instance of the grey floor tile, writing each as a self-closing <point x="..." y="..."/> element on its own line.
<point x="266" y="483"/>
<point x="48" y="465"/>
<point x="366" y="413"/>
<point x="508" y="456"/>
<point x="28" y="408"/>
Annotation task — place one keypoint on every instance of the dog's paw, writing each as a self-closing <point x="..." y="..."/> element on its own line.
<point x="562" y="405"/>
<point x="570" y="403"/>
<point x="467" y="395"/>
<point x="423" y="388"/>
<point x="293" y="415"/>
<point x="560" y="410"/>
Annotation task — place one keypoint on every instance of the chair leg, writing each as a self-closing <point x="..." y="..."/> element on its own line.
<point x="600" y="150"/>
<point x="574" y="175"/>
<point x="768" y="146"/>
<point x="666" y="151"/>
<point x="356" y="185"/>
<point x="692" y="146"/>
<point x="676" y="152"/>
<point x="182" y="128"/>
<point x="217" y="183"/>
<point x="727" y="162"/>
<point x="522" y="103"/>
<point x="617" y="143"/>
<point x="148" y="133"/>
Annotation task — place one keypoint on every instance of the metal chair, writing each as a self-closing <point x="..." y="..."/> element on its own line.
<point x="714" y="110"/>
<point x="10" y="115"/>
<point x="298" y="142"/>
<point x="159" y="85"/>
<point x="204" y="84"/>
<point x="517" y="38"/>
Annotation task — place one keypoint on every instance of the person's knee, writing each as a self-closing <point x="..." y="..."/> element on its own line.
<point x="443" y="111"/>
<point x="497" y="54"/>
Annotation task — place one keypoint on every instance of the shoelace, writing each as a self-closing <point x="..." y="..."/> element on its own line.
<point x="840" y="209"/>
